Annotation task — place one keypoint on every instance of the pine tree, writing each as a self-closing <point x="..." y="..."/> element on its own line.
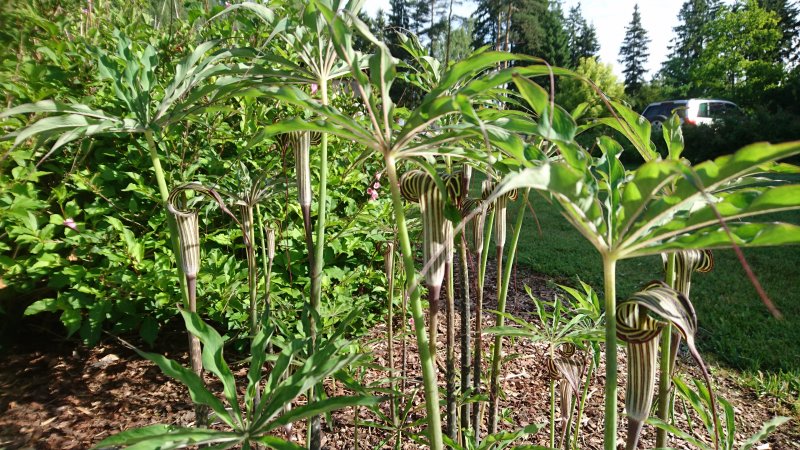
<point x="633" y="53"/>
<point x="528" y="27"/>
<point x="688" y="44"/>
<point x="582" y="37"/>
<point x="399" y="17"/>
<point x="493" y="22"/>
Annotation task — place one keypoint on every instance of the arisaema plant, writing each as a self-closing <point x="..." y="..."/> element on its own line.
<point x="146" y="107"/>
<point x="247" y="423"/>
<point x="627" y="214"/>
<point x="310" y="59"/>
<point x="419" y="137"/>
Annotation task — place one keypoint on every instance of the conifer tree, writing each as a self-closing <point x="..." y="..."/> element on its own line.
<point x="582" y="37"/>
<point x="633" y="54"/>
<point x="688" y="44"/>
<point x="398" y="23"/>
<point x="420" y="13"/>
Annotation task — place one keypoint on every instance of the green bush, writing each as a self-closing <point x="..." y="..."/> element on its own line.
<point x="723" y="137"/>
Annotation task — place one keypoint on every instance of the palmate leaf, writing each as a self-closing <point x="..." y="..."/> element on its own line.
<point x="730" y="207"/>
<point x="572" y="191"/>
<point x="321" y="407"/>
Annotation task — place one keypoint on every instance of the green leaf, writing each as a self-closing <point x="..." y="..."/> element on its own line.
<point x="765" y="431"/>
<point x="673" y="136"/>
<point x="197" y="389"/>
<point x="47" y="304"/>
<point x="166" y="437"/>
<point x="213" y="360"/>
<point x="323" y="406"/>
<point x="277" y="443"/>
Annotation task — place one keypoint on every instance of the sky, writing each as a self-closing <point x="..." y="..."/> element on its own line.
<point x="610" y="17"/>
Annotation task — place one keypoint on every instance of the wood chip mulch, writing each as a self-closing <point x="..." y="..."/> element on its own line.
<point x="56" y="394"/>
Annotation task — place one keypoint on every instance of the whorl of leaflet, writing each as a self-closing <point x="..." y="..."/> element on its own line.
<point x="188" y="224"/>
<point x="640" y="320"/>
<point x="419" y="186"/>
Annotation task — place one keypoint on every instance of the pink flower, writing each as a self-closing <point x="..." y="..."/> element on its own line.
<point x="373" y="194"/>
<point x="378" y="175"/>
<point x="70" y="223"/>
<point x="376" y="185"/>
<point x="314" y="88"/>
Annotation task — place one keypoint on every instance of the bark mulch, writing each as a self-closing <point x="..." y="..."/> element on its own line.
<point x="56" y="394"/>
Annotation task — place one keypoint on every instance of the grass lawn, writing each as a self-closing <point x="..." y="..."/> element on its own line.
<point x="736" y="329"/>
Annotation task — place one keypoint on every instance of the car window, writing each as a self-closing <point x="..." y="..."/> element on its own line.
<point x="717" y="109"/>
<point x="664" y="110"/>
<point x="703" y="110"/>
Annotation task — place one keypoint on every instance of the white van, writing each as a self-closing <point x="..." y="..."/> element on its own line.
<point x="694" y="111"/>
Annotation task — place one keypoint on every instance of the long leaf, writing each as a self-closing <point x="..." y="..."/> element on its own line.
<point x="213" y="360"/>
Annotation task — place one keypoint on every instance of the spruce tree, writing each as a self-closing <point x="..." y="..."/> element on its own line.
<point x="582" y="37"/>
<point x="554" y="48"/>
<point x="528" y="26"/>
<point x="688" y="44"/>
<point x="420" y="13"/>
<point x="633" y="53"/>
<point x="399" y="23"/>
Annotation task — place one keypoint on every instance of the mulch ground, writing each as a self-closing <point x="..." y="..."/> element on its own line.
<point x="56" y="394"/>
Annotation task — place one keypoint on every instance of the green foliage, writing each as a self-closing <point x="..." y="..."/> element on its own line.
<point x="696" y="403"/>
<point x="742" y="57"/>
<point x="721" y="137"/>
<point x="249" y="420"/>
<point x="572" y="93"/>
<point x="582" y="37"/>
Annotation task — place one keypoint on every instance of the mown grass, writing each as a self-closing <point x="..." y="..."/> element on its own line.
<point x="736" y="330"/>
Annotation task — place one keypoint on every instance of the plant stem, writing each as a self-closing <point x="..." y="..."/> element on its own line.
<point x="665" y="375"/>
<point x="252" y="269"/>
<point x="609" y="275"/>
<point x="389" y="266"/>
<point x="466" y="360"/>
<point x="583" y="404"/>
<point x="482" y="257"/>
<point x="194" y="343"/>
<point x="450" y="359"/>
<point x="319" y="262"/>
<point x="267" y="263"/>
<point x="426" y="360"/>
<point x="501" y="308"/>
<point x="552" y="413"/>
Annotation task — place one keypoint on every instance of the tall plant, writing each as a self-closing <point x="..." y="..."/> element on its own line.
<point x="413" y="140"/>
<point x="305" y="33"/>
<point x="625" y="214"/>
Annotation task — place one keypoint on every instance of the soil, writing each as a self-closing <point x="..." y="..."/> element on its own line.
<point x="57" y="394"/>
